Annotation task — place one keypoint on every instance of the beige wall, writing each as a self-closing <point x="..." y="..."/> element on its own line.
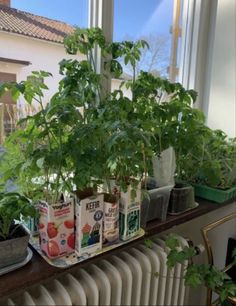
<point x="221" y="106"/>
<point x="218" y="238"/>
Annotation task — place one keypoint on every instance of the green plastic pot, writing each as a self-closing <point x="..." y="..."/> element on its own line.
<point x="214" y="194"/>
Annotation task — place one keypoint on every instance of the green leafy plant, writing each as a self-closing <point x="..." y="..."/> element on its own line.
<point x="113" y="143"/>
<point x="13" y="207"/>
<point x="40" y="140"/>
<point x="73" y="142"/>
<point x="199" y="274"/>
<point x="212" y="162"/>
<point x="85" y="135"/>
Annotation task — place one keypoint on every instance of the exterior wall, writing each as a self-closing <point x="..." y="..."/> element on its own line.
<point x="221" y="92"/>
<point x="43" y="56"/>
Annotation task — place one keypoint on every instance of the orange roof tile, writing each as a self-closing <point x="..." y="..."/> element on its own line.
<point x="27" y="24"/>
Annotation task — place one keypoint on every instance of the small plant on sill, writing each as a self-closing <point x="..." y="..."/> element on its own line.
<point x="213" y="162"/>
<point x="13" y="207"/>
<point x="14" y="238"/>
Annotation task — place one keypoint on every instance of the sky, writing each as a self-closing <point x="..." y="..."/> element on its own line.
<point x="132" y="18"/>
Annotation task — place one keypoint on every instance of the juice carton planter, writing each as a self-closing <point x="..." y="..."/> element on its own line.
<point x="129" y="216"/>
<point x="89" y="223"/>
<point x="56" y="228"/>
<point x="110" y="219"/>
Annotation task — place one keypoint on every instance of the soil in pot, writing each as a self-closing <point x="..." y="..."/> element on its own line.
<point x="181" y="198"/>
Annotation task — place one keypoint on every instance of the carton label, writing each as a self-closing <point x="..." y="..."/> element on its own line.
<point x="111" y="222"/>
<point x="89" y="224"/>
<point x="129" y="224"/>
<point x="129" y="206"/>
<point x="56" y="228"/>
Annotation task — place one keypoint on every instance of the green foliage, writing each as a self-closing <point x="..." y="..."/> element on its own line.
<point x="212" y="161"/>
<point x="175" y="255"/>
<point x="38" y="149"/>
<point x="13" y="207"/>
<point x="199" y="274"/>
<point x="84" y="135"/>
<point x="76" y="140"/>
<point x="148" y="243"/>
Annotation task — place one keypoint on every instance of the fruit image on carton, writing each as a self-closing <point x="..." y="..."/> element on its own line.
<point x="89" y="217"/>
<point x="56" y="228"/>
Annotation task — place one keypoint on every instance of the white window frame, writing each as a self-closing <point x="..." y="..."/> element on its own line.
<point x="101" y="14"/>
<point x="198" y="23"/>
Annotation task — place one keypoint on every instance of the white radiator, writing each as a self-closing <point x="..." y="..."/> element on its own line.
<point x="138" y="276"/>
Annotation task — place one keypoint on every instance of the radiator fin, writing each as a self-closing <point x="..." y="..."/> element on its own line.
<point x="74" y="288"/>
<point x="138" y="276"/>
<point x="115" y="280"/>
<point x="127" y="279"/>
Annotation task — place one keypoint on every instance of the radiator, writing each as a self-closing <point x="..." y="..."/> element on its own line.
<point x="138" y="276"/>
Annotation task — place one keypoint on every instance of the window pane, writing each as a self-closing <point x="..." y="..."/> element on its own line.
<point x="149" y="20"/>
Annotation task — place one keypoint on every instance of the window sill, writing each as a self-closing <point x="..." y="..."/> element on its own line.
<point x="39" y="270"/>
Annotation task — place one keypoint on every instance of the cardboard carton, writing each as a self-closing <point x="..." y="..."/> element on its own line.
<point x="57" y="228"/>
<point x="89" y="222"/>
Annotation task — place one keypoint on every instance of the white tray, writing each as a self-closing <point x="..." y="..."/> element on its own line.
<point x="73" y="258"/>
<point x="15" y="266"/>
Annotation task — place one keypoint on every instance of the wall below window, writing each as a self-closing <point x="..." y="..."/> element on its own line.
<point x="221" y="107"/>
<point x="218" y="238"/>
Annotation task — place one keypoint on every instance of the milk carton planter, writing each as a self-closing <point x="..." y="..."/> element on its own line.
<point x="129" y="215"/>
<point x="110" y="219"/>
<point x="89" y="222"/>
<point x="56" y="228"/>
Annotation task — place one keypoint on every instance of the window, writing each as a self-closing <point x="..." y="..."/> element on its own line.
<point x="7" y="108"/>
<point x="151" y="21"/>
<point x="192" y="53"/>
<point x="35" y="43"/>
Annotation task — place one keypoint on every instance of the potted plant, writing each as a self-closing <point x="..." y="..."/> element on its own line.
<point x="43" y="163"/>
<point x="184" y="130"/>
<point x="14" y="237"/>
<point x="114" y="144"/>
<point x="174" y="123"/>
<point x="211" y="167"/>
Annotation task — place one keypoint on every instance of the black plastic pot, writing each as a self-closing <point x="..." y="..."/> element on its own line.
<point x="181" y="198"/>
<point x="155" y="205"/>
